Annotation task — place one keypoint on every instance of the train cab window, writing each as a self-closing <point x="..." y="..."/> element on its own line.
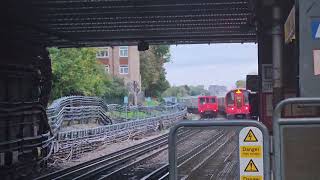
<point x="212" y="100"/>
<point x="230" y="99"/>
<point x="202" y="100"/>
<point x="239" y="101"/>
<point x="246" y="97"/>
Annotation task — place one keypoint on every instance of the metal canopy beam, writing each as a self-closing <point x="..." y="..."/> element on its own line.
<point x="113" y="22"/>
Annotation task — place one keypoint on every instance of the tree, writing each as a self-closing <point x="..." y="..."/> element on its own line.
<point x="153" y="77"/>
<point x="162" y="52"/>
<point x="76" y="72"/>
<point x="117" y="89"/>
<point x="241" y="84"/>
<point x="177" y="91"/>
<point x="185" y="90"/>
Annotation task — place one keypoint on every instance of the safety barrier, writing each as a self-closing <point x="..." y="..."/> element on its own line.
<point x="261" y="143"/>
<point x="296" y="142"/>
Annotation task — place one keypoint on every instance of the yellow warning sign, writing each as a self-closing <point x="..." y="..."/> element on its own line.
<point x="251" y="167"/>
<point x="251" y="151"/>
<point x="251" y="178"/>
<point x="250" y="137"/>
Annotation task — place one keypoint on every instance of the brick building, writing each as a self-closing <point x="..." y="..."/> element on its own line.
<point x="123" y="62"/>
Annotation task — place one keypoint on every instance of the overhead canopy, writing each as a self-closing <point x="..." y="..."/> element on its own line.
<point x="74" y="23"/>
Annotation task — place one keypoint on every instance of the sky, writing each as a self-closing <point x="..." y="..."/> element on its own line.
<point x="219" y="64"/>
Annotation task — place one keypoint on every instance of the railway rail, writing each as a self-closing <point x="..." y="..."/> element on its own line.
<point x="125" y="171"/>
<point x="133" y="171"/>
<point x="190" y="163"/>
<point x="197" y="167"/>
<point x="94" y="168"/>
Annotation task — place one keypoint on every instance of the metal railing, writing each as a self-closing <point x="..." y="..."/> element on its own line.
<point x="150" y="122"/>
<point x="82" y="108"/>
<point x="127" y="121"/>
<point x="76" y="107"/>
<point x="72" y="143"/>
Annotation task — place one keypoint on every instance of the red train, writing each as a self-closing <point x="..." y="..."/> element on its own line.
<point x="208" y="106"/>
<point x="236" y="104"/>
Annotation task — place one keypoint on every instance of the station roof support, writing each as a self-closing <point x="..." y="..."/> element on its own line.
<point x="100" y="23"/>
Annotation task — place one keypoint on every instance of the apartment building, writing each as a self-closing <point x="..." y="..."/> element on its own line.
<point x="123" y="62"/>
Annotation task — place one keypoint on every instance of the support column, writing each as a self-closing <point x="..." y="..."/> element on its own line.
<point x="277" y="54"/>
<point x="25" y="83"/>
<point x="265" y="56"/>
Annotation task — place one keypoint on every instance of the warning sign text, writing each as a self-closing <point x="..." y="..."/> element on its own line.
<point x="251" y="177"/>
<point x="250" y="151"/>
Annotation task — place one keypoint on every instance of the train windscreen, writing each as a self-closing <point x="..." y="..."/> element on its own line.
<point x="212" y="100"/>
<point x="239" y="101"/>
<point x="230" y="99"/>
<point x="202" y="100"/>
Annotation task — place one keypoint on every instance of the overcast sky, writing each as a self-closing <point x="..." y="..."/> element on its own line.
<point x="220" y="64"/>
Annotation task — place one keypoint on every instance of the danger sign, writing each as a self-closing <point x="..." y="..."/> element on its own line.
<point x="251" y="178"/>
<point x="251" y="153"/>
<point x="251" y="167"/>
<point x="250" y="137"/>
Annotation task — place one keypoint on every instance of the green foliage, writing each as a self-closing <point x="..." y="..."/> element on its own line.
<point x="154" y="82"/>
<point x="151" y="103"/>
<point x="198" y="90"/>
<point x="77" y="72"/>
<point x="241" y="84"/>
<point x="162" y="52"/>
<point x="117" y="89"/>
<point x="177" y="91"/>
<point x="185" y="90"/>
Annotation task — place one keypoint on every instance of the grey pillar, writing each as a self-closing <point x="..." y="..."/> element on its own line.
<point x="277" y="54"/>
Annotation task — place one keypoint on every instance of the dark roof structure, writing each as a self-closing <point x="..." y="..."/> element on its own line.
<point x="77" y="23"/>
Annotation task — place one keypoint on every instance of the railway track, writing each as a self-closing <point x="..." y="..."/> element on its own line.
<point x="120" y="173"/>
<point x="96" y="168"/>
<point x="133" y="171"/>
<point x="190" y="163"/>
<point x="208" y="163"/>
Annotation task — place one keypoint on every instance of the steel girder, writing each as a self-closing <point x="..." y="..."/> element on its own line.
<point x="75" y="23"/>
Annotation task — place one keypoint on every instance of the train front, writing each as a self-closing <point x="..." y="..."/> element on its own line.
<point x="237" y="104"/>
<point x="208" y="106"/>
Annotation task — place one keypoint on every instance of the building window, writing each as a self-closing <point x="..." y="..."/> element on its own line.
<point x="107" y="68"/>
<point x="124" y="69"/>
<point x="123" y="51"/>
<point x="103" y="53"/>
